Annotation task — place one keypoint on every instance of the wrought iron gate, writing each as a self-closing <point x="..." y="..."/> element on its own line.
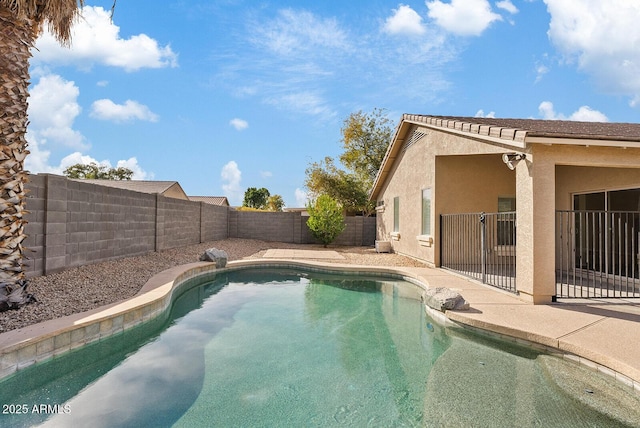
<point x="597" y="254"/>
<point x="481" y="246"/>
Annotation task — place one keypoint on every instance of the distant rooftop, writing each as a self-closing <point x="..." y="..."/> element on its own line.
<point x="170" y="189"/>
<point x="136" y="185"/>
<point x="213" y="200"/>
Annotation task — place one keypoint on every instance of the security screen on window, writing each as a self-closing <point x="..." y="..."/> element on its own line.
<point x="426" y="212"/>
<point x="396" y="214"/>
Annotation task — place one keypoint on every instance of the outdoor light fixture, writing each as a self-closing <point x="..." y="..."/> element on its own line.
<point x="512" y="159"/>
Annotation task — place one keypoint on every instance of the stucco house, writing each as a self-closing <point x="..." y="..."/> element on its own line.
<point x="545" y="209"/>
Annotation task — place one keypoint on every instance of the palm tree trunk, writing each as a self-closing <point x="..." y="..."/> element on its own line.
<point x="17" y="35"/>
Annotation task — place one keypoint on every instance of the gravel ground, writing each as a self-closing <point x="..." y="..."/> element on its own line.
<point x="88" y="287"/>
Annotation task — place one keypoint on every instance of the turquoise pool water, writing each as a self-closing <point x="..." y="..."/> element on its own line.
<point x="267" y="348"/>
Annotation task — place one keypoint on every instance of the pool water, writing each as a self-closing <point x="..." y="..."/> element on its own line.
<point x="288" y="348"/>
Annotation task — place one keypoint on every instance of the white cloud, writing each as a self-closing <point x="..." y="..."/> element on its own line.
<point x="231" y="177"/>
<point x="96" y="40"/>
<point x="296" y="54"/>
<point x="307" y="102"/>
<point x="583" y="114"/>
<point x="301" y="198"/>
<point x="239" y="124"/>
<point x="404" y="21"/>
<point x="38" y="158"/>
<point x="463" y="17"/>
<point x="266" y="174"/>
<point x="541" y="70"/>
<point x="480" y="113"/>
<point x="508" y="6"/>
<point x="285" y="65"/>
<point x="53" y="107"/>
<point x="602" y="38"/>
<point x="300" y="31"/>
<point x="587" y="114"/>
<point x="78" y="158"/>
<point x="138" y="172"/>
<point x="106" y="109"/>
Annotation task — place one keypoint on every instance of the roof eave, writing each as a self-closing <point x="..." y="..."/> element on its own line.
<point x="533" y="139"/>
<point x="512" y="138"/>
<point x="389" y="157"/>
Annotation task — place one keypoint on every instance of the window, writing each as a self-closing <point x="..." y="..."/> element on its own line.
<point x="396" y="214"/>
<point x="506" y="204"/>
<point x="605" y="231"/>
<point x="426" y="212"/>
<point x="506" y="221"/>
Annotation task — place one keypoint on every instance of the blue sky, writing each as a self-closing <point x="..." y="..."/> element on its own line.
<point x="221" y="96"/>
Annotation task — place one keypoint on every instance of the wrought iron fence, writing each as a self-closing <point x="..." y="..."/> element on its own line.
<point x="480" y="246"/>
<point x="597" y="254"/>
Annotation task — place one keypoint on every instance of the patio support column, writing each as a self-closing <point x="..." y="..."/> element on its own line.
<point x="535" y="232"/>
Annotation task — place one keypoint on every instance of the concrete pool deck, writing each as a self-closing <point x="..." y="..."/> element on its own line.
<point x="601" y="334"/>
<point x="285" y="253"/>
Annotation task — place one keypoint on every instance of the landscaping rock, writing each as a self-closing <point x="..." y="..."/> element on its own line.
<point x="219" y="257"/>
<point x="444" y="299"/>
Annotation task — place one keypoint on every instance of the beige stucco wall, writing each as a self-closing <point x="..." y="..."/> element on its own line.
<point x="175" y="191"/>
<point x="461" y="179"/>
<point x="412" y="172"/>
<point x="535" y="208"/>
<point x="468" y="175"/>
<point x="584" y="179"/>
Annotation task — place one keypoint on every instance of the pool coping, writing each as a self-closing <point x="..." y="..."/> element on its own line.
<point x="24" y="347"/>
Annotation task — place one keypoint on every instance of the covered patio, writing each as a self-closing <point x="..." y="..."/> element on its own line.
<point x="510" y="182"/>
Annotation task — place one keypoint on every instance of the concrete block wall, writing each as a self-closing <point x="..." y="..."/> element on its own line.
<point x="266" y="226"/>
<point x="106" y="223"/>
<point x="369" y="231"/>
<point x="359" y="231"/>
<point x="178" y="223"/>
<point x="214" y="223"/>
<point x="72" y="223"/>
<point x="292" y="227"/>
<point x="35" y="228"/>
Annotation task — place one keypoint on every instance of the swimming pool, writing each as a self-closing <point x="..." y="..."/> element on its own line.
<point x="294" y="348"/>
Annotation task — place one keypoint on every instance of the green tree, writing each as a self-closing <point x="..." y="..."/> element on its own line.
<point x="256" y="198"/>
<point x="120" y="173"/>
<point x="365" y="138"/>
<point x="95" y="171"/>
<point x="275" y="203"/>
<point x="326" y="220"/>
<point x="347" y="188"/>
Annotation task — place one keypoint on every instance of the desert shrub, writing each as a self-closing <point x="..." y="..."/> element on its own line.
<point x="325" y="221"/>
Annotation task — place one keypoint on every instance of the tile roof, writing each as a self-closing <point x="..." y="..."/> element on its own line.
<point x="511" y="133"/>
<point x="545" y="128"/>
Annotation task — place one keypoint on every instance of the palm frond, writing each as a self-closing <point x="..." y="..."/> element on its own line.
<point x="58" y="15"/>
